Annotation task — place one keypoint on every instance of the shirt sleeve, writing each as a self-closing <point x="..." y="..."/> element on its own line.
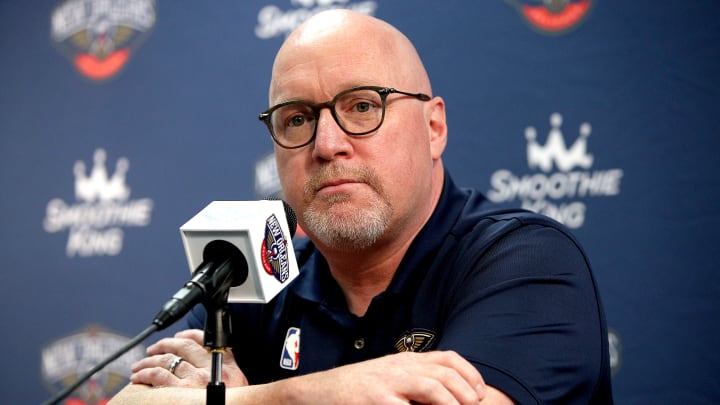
<point x="526" y="313"/>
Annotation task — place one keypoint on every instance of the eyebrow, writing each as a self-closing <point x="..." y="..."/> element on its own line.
<point x="347" y="86"/>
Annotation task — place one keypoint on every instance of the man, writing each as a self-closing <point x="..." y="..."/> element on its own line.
<point x="476" y="305"/>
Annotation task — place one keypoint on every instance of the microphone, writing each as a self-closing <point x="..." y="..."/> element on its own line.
<point x="237" y="251"/>
<point x="227" y="245"/>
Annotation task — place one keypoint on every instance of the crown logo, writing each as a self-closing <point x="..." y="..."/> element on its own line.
<point x="542" y="156"/>
<point x="98" y="186"/>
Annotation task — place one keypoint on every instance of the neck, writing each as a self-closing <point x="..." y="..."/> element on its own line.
<point x="364" y="274"/>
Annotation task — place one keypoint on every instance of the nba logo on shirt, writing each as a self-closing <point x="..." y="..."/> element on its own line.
<point x="291" y="350"/>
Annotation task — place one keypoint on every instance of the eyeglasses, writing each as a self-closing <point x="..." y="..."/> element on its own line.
<point x="358" y="111"/>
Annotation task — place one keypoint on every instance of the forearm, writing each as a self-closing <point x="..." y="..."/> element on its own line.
<point x="432" y="377"/>
<point x="139" y="394"/>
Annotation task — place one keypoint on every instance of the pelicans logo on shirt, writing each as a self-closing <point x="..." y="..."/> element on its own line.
<point x="552" y="16"/>
<point x="415" y="340"/>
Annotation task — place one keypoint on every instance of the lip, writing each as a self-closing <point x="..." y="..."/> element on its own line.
<point x="336" y="185"/>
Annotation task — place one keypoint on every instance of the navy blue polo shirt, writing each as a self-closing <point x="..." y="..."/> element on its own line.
<point x="509" y="290"/>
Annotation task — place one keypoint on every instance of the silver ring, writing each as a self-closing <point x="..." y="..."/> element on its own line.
<point x="173" y="364"/>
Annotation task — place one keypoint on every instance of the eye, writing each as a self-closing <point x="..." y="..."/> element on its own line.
<point x="362" y="107"/>
<point x="294" y="116"/>
<point x="359" y="106"/>
<point x="297" y="121"/>
<point x="358" y="103"/>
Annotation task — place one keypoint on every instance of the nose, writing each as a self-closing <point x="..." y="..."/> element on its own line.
<point x="330" y="140"/>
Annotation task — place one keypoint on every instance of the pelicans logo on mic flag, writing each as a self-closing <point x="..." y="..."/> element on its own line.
<point x="274" y="251"/>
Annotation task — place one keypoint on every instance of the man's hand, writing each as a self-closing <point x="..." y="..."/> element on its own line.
<point x="426" y="378"/>
<point x="193" y="371"/>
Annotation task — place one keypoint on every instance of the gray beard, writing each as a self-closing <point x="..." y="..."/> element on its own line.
<point x="355" y="231"/>
<point x="355" y="228"/>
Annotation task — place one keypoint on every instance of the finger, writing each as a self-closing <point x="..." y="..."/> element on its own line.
<point x="468" y="372"/>
<point x="155" y="376"/>
<point x="171" y="345"/>
<point x="466" y="369"/>
<point x="188" y="349"/>
<point x="229" y="357"/>
<point x="456" y="375"/>
<point x="185" y="376"/>
<point x="156" y="361"/>
<point x="428" y="390"/>
<point x="483" y="390"/>
<point x="464" y="392"/>
<point x="231" y="372"/>
<point x="196" y="335"/>
<point x="174" y="364"/>
<point x="449" y="381"/>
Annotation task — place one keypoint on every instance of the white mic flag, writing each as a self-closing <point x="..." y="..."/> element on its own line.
<point x="260" y="231"/>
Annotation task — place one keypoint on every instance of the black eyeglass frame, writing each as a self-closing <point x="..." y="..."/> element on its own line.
<point x="384" y="92"/>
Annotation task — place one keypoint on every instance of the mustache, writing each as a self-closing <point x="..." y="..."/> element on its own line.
<point x="331" y="172"/>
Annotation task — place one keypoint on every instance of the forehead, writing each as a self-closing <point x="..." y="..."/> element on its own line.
<point x="318" y="71"/>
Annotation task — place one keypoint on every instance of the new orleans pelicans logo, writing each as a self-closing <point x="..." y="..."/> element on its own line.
<point x="98" y="36"/>
<point x="416" y="340"/>
<point x="552" y="16"/>
<point x="274" y="250"/>
<point x="65" y="359"/>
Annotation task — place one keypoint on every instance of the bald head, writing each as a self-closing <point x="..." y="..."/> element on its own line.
<point x="339" y="45"/>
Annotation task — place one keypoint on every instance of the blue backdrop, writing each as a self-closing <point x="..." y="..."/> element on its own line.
<point x="119" y="120"/>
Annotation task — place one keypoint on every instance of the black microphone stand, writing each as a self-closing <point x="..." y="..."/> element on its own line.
<point x="217" y="338"/>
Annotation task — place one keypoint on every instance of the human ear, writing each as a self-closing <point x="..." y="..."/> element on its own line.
<point x="437" y="127"/>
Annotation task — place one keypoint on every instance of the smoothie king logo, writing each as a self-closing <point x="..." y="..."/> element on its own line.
<point x="98" y="36"/>
<point x="552" y="16"/>
<point x="558" y="193"/>
<point x="274" y="21"/>
<point x="64" y="360"/>
<point x="103" y="207"/>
